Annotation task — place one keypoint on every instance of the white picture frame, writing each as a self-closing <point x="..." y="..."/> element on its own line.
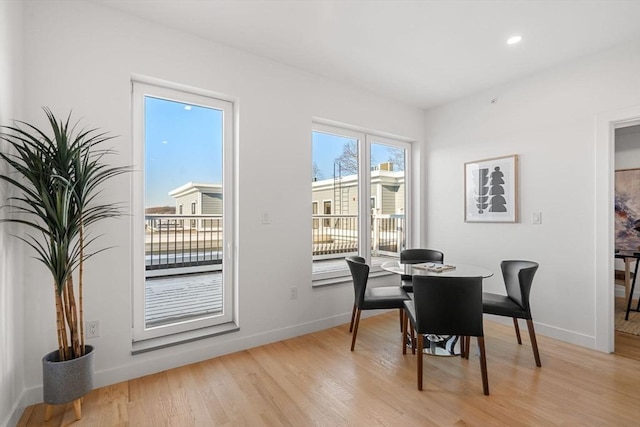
<point x="491" y="190"/>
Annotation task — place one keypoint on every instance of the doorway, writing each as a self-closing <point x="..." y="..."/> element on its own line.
<point x="627" y="169"/>
<point x="606" y="123"/>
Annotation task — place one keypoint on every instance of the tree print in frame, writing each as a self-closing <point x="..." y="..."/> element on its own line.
<point x="491" y="190"/>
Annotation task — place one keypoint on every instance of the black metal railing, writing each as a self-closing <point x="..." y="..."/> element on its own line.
<point x="173" y="241"/>
<point x="337" y="235"/>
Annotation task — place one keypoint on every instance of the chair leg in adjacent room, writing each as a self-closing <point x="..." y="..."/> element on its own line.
<point x="517" y="328"/>
<point x="534" y="342"/>
<point x="355" y="329"/>
<point x="483" y="366"/>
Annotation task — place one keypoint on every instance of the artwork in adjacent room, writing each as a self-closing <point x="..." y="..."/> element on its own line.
<point x="627" y="205"/>
<point x="491" y="190"/>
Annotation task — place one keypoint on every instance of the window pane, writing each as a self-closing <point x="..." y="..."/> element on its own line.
<point x="388" y="206"/>
<point x="335" y="187"/>
<point x="183" y="252"/>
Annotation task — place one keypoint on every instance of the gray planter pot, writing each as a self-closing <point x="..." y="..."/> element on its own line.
<point x="64" y="382"/>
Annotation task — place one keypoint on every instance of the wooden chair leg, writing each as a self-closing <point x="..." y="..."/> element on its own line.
<point x="355" y="328"/>
<point x="413" y="338"/>
<point x="401" y="315"/>
<point x="405" y="329"/>
<point x="534" y="342"/>
<point x="353" y="316"/>
<point x="467" y="346"/>
<point x="419" y="358"/>
<point x="483" y="366"/>
<point x="515" y="325"/>
<point x="463" y="347"/>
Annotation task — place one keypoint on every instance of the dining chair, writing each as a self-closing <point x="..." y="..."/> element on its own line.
<point x="446" y="306"/>
<point x="518" y="278"/>
<point x="374" y="298"/>
<point x="417" y="256"/>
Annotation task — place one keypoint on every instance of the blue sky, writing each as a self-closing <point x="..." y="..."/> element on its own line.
<point x="326" y="148"/>
<point x="183" y="143"/>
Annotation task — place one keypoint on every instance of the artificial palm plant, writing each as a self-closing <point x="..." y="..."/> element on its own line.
<point x="58" y="175"/>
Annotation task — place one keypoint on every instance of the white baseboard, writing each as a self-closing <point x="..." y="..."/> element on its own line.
<point x="168" y="359"/>
<point x="620" y="291"/>
<point x="564" y="335"/>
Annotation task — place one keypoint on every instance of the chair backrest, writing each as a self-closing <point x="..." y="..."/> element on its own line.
<point x="360" y="274"/>
<point x="416" y="256"/>
<point x="448" y="305"/>
<point x="518" y="277"/>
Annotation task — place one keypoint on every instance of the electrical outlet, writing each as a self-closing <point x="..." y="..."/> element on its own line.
<point x="92" y="329"/>
<point x="293" y="294"/>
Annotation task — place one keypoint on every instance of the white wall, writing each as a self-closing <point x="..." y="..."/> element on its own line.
<point x="11" y="300"/>
<point x="81" y="56"/>
<point x="549" y="120"/>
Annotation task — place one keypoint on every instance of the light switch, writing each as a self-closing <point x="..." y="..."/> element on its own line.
<point x="266" y="218"/>
<point x="536" y="218"/>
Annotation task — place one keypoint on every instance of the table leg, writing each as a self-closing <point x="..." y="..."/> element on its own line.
<point x="627" y="276"/>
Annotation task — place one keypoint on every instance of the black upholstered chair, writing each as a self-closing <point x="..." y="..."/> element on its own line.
<point x="417" y="256"/>
<point x="374" y="298"/>
<point x="518" y="277"/>
<point x="446" y="306"/>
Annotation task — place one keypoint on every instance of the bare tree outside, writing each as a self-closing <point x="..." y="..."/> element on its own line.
<point x="396" y="157"/>
<point x="348" y="160"/>
<point x="317" y="173"/>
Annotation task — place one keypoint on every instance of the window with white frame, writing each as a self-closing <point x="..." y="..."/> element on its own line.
<point x="183" y="282"/>
<point x="362" y="179"/>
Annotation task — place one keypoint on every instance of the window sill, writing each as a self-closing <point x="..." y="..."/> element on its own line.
<point x="317" y="283"/>
<point x="144" y="346"/>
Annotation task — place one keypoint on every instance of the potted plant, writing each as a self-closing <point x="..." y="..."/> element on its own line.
<point x="57" y="175"/>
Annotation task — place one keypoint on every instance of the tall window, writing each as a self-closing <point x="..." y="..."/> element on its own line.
<point x="183" y="265"/>
<point x="361" y="179"/>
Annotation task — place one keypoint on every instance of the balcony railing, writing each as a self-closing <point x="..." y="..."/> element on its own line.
<point x="337" y="235"/>
<point x="173" y="241"/>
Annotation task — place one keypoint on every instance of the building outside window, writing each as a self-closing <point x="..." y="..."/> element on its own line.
<point x="363" y="181"/>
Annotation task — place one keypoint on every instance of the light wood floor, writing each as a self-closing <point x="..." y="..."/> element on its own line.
<point x="314" y="380"/>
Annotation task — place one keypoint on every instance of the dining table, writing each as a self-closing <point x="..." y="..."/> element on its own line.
<point x="437" y="345"/>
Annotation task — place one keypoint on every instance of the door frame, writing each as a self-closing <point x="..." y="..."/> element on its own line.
<point x="606" y="124"/>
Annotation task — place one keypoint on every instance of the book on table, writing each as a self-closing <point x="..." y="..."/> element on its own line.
<point x="434" y="267"/>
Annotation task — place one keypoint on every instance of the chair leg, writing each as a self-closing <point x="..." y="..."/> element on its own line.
<point x="405" y="329"/>
<point x="467" y="346"/>
<point x="401" y="315"/>
<point x="353" y="316"/>
<point x="355" y="329"/>
<point x="419" y="358"/>
<point x="483" y="367"/>
<point x="515" y="325"/>
<point x="534" y="342"/>
<point x="463" y="341"/>
<point x="413" y="338"/>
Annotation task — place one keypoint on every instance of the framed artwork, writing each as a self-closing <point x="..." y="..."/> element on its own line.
<point x="491" y="190"/>
<point x="627" y="205"/>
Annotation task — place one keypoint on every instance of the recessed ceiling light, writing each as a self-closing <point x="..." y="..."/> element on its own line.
<point x="187" y="107"/>
<point x="514" y="39"/>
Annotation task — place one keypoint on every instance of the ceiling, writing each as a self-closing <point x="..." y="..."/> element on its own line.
<point x="421" y="52"/>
